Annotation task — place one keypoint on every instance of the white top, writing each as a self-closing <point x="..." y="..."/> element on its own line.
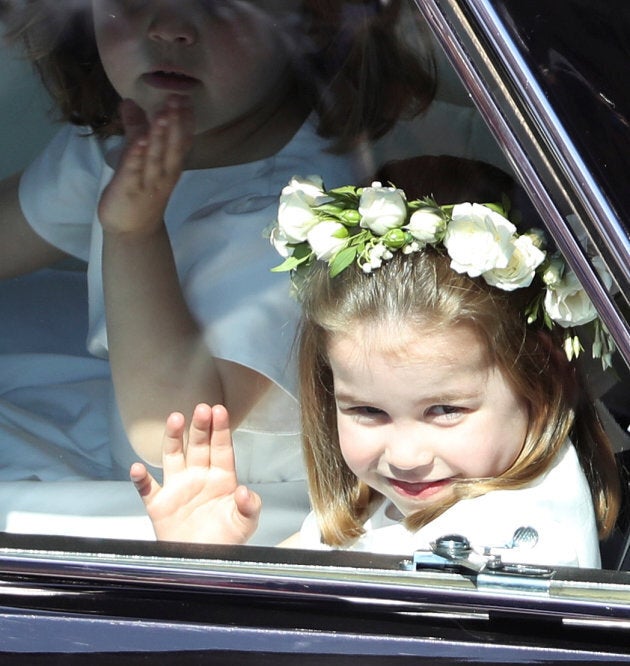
<point x="58" y="417"/>
<point x="558" y="506"/>
<point x="216" y="220"/>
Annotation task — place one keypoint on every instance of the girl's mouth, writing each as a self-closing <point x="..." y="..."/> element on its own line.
<point x="418" y="490"/>
<point x="167" y="80"/>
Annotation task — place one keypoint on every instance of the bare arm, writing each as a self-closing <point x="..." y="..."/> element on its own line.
<point x="21" y="249"/>
<point x="159" y="360"/>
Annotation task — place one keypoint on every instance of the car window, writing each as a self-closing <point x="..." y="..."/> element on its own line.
<point x="57" y="389"/>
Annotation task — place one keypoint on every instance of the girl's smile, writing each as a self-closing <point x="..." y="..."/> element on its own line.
<point x="420" y="407"/>
<point x="419" y="490"/>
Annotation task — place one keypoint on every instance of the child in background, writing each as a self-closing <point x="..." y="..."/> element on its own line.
<point x="436" y="396"/>
<point x="166" y="195"/>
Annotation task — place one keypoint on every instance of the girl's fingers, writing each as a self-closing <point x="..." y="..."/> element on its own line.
<point x="145" y="484"/>
<point x="134" y="120"/>
<point x="221" y="448"/>
<point x="132" y="164"/>
<point x="198" y="449"/>
<point x="248" y="503"/>
<point x="180" y="134"/>
<point x="155" y="152"/>
<point x="173" y="460"/>
<point x="136" y="128"/>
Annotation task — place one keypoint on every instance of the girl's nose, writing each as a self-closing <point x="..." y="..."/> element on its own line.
<point x="172" y="25"/>
<point x="407" y="453"/>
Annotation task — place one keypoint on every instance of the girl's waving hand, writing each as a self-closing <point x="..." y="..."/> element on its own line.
<point x="201" y="500"/>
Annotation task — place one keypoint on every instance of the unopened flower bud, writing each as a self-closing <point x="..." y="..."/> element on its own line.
<point x="350" y="215"/>
<point x="395" y="238"/>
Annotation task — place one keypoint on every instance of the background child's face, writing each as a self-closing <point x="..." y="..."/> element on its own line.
<point x="417" y="409"/>
<point x="227" y="55"/>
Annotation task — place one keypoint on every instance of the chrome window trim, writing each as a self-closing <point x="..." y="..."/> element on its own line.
<point x="574" y="594"/>
<point x="545" y="142"/>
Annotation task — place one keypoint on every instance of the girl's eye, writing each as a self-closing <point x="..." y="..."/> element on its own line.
<point x="447" y="412"/>
<point x="365" y="412"/>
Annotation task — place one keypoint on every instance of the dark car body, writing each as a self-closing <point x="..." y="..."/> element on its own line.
<point x="550" y="80"/>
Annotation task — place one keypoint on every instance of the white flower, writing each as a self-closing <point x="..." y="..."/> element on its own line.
<point x="521" y="268"/>
<point x="478" y="239"/>
<point x="327" y="238"/>
<point x="414" y="246"/>
<point x="280" y="242"/>
<point x="382" y="208"/>
<point x="295" y="210"/>
<point x="553" y="272"/>
<point x="312" y="187"/>
<point x="425" y="225"/>
<point x="568" y="304"/>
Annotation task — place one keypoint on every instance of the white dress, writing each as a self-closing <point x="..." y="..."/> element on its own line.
<point x="557" y="505"/>
<point x="58" y="417"/>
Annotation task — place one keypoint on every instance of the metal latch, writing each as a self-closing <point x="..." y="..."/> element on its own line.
<point x="454" y="553"/>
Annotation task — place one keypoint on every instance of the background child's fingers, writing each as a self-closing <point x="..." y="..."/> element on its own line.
<point x="145" y="484"/>
<point x="134" y="120"/>
<point x="155" y="153"/>
<point x="132" y="163"/>
<point x="198" y="448"/>
<point x="179" y="138"/>
<point x="173" y="459"/>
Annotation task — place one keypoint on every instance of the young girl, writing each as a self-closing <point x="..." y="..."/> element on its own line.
<point x="436" y="395"/>
<point x="238" y="96"/>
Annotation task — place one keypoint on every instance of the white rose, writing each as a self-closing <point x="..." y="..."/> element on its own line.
<point x="382" y="208"/>
<point x="425" y="225"/>
<point x="568" y="304"/>
<point x="478" y="239"/>
<point x="295" y="216"/>
<point x="312" y="187"/>
<point x="521" y="268"/>
<point x="280" y="242"/>
<point x="295" y="209"/>
<point x="327" y="238"/>
<point x="553" y="273"/>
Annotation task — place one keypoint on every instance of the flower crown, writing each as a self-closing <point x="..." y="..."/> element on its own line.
<point x="367" y="225"/>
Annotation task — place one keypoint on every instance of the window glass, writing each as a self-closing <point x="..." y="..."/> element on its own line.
<point x="89" y="372"/>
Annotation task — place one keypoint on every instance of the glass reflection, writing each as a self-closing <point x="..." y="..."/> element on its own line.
<point x="177" y="301"/>
<point x="149" y="295"/>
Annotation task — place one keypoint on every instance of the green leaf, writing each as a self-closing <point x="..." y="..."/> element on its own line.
<point x="342" y="260"/>
<point x="344" y="190"/>
<point x="289" y="264"/>
<point x="328" y="209"/>
<point x="302" y="251"/>
<point x="497" y="208"/>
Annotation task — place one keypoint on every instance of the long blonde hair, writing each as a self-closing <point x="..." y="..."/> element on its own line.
<point x="421" y="288"/>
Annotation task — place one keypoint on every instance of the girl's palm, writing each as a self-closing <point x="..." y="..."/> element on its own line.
<point x="200" y="500"/>
<point x="137" y="196"/>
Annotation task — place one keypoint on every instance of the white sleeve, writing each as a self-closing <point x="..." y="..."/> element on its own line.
<point x="59" y="190"/>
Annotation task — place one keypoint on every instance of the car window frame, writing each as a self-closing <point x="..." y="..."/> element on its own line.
<point x="486" y="57"/>
<point x="467" y="31"/>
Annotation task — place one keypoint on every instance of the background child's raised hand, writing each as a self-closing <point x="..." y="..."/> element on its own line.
<point x="200" y="500"/>
<point x="136" y="198"/>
